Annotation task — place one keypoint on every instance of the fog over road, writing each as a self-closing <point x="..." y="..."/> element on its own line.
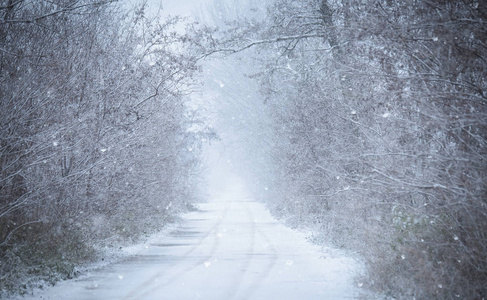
<point x="231" y="248"/>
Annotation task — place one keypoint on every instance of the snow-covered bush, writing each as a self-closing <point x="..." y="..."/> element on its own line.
<point x="379" y="118"/>
<point x="93" y="133"/>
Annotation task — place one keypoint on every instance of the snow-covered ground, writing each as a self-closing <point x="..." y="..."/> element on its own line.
<point x="231" y="248"/>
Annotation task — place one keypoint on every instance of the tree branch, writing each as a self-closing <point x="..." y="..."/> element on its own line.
<point x="62" y="10"/>
<point x="261" y="42"/>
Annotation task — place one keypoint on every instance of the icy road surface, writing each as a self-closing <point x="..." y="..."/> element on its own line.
<point x="230" y="249"/>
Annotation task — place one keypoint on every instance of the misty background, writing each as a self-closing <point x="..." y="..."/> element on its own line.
<point x="362" y="121"/>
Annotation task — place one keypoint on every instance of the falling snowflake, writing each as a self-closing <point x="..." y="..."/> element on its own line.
<point x="220" y="83"/>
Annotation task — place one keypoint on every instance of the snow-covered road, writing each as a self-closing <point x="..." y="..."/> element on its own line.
<point x="231" y="248"/>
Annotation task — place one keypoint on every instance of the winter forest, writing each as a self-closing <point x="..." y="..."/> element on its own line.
<point x="362" y="121"/>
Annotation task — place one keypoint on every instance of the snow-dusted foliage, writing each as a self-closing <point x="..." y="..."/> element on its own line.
<point x="379" y="116"/>
<point x="94" y="133"/>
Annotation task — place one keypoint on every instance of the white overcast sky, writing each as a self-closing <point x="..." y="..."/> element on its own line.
<point x="175" y="7"/>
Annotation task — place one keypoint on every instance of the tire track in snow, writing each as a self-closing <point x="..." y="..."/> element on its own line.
<point x="256" y="281"/>
<point x="244" y="267"/>
<point x="151" y="284"/>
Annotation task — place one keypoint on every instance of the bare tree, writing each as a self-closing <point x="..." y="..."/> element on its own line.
<point x="379" y="113"/>
<point x="94" y="132"/>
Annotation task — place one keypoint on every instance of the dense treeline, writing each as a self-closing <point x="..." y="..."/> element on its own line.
<point x="95" y="139"/>
<point x="380" y="124"/>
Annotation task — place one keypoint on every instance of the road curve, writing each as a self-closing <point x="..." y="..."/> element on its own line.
<point x="231" y="248"/>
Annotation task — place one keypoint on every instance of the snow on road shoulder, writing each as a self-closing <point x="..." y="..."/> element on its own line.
<point x="108" y="256"/>
<point x="333" y="269"/>
<point x="232" y="248"/>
